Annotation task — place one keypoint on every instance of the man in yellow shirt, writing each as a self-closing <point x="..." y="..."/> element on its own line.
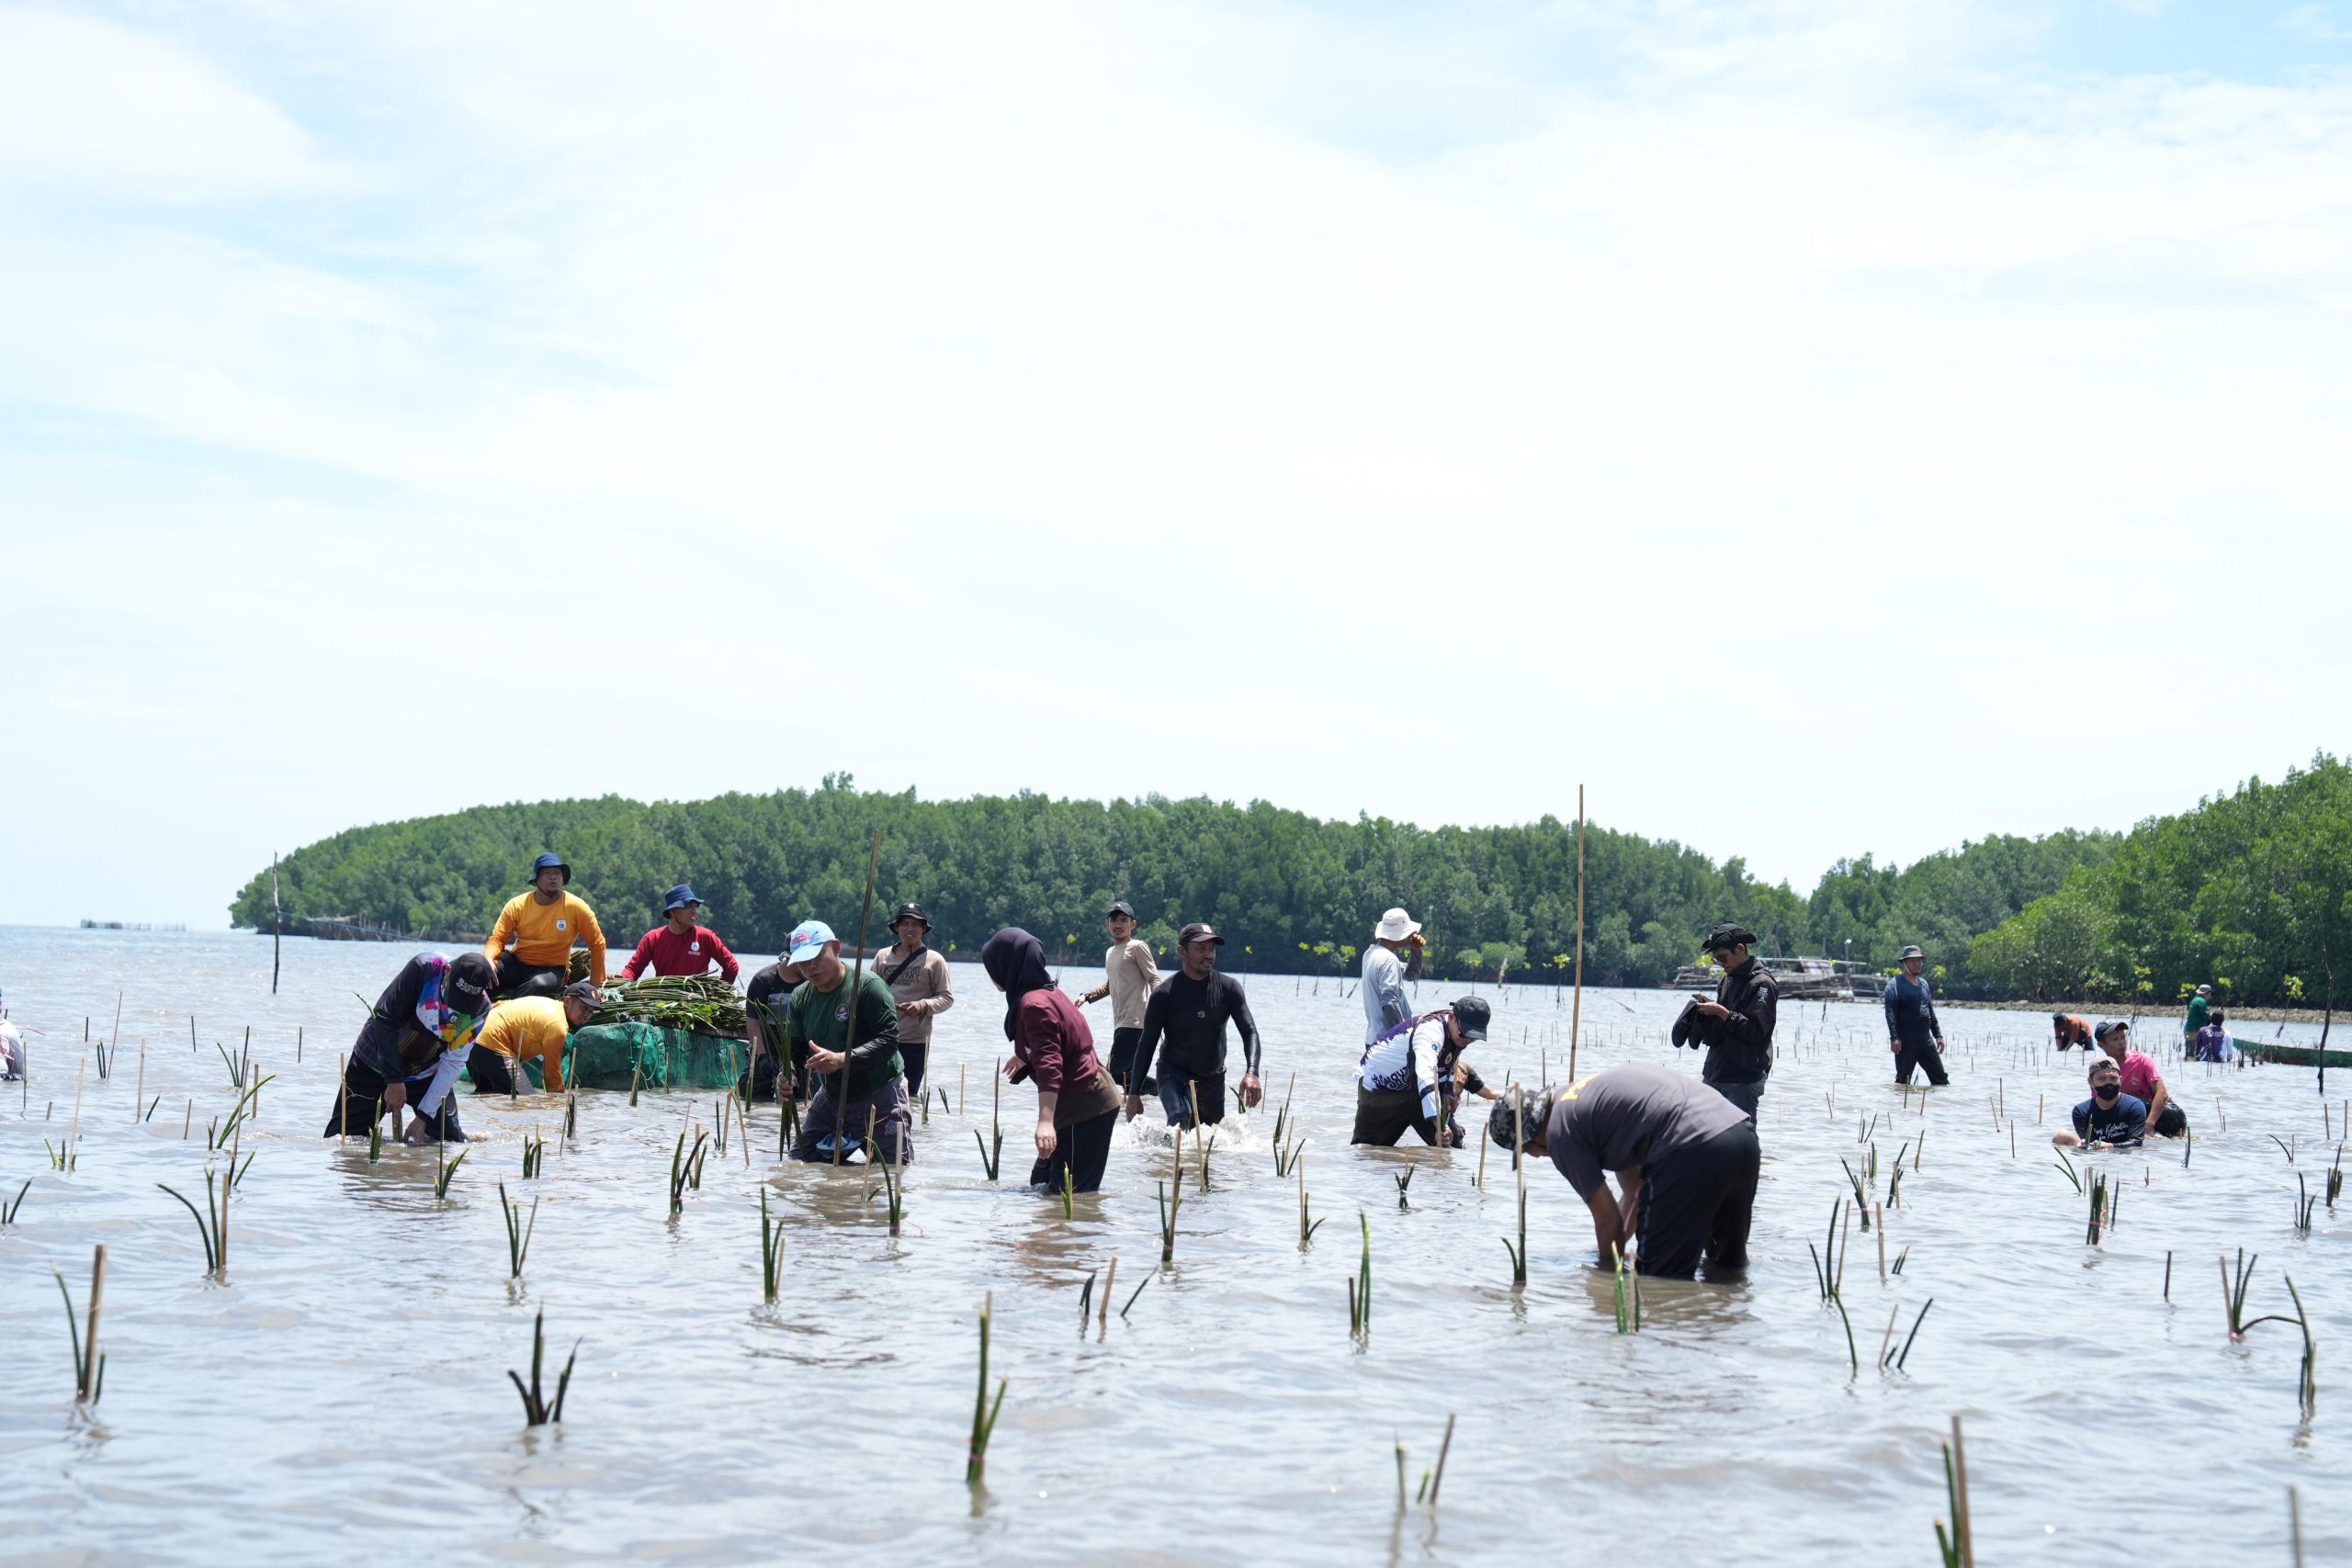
<point x="526" y="1027"/>
<point x="543" y="924"/>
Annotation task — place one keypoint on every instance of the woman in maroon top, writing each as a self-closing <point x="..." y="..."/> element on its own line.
<point x="1078" y="1103"/>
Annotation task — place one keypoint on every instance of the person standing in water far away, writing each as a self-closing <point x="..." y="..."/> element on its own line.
<point x="920" y="986"/>
<point x="1191" y="1009"/>
<point x="679" y="946"/>
<point x="1078" y="1103"/>
<point x="1130" y="976"/>
<point x="1394" y="958"/>
<point x="2200" y="1013"/>
<point x="1736" y="1027"/>
<point x="542" y="925"/>
<point x="1912" y="1031"/>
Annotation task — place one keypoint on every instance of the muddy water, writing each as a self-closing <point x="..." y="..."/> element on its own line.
<point x="345" y="1391"/>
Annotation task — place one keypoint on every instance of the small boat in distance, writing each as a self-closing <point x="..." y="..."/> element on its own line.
<point x="1802" y="979"/>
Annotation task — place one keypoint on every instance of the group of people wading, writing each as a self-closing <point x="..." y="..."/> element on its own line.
<point x="851" y="1044"/>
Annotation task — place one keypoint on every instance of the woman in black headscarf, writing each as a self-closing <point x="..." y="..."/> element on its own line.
<point x="1078" y="1103"/>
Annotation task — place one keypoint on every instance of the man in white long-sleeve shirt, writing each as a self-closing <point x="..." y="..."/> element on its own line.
<point x="1406" y="1080"/>
<point x="1386" y="970"/>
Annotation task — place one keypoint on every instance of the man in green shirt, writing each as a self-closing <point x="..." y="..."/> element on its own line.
<point x="861" y="1082"/>
<point x="2200" y="1010"/>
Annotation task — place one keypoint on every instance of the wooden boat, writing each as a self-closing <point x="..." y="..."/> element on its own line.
<point x="1802" y="979"/>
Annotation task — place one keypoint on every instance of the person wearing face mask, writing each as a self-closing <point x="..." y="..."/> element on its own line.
<point x="2141" y="1079"/>
<point x="2109" y="1118"/>
<point x="1077" y="1103"/>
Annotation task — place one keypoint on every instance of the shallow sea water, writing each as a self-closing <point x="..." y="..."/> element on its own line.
<point x="343" y="1394"/>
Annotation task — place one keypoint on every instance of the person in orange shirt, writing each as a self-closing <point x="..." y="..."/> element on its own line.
<point x="2070" y="1031"/>
<point x="526" y="1027"/>
<point x="543" y="925"/>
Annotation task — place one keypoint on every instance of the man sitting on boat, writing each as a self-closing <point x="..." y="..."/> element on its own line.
<point x="679" y="947"/>
<point x="542" y="925"/>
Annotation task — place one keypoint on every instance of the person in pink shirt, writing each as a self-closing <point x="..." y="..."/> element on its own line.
<point x="680" y="947"/>
<point x="2141" y="1079"/>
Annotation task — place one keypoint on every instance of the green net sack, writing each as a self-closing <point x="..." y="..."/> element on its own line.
<point x="615" y="1055"/>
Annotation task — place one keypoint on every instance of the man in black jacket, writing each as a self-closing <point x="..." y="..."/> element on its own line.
<point x="1191" y="1009"/>
<point x="1736" y="1027"/>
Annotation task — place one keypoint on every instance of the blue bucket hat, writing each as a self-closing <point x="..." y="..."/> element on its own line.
<point x="678" y="898"/>
<point x="545" y="862"/>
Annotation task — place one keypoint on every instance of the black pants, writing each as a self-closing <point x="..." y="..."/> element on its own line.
<point x="361" y="1099"/>
<point x="1696" y="1204"/>
<point x="1383" y="1119"/>
<point x="1745" y="1095"/>
<point x="1176" y="1098"/>
<point x="2171" y="1121"/>
<point x="914" y="1055"/>
<point x="1123" y="1060"/>
<point x="491" y="1073"/>
<point x="516" y="978"/>
<point x="1084" y="1150"/>
<point x="1921" y="1053"/>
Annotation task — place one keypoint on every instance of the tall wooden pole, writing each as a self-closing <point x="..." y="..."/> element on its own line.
<point x="276" y="924"/>
<point x="1576" y="1011"/>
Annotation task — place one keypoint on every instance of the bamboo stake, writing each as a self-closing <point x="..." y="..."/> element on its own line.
<point x="1877" y="1211"/>
<point x="1576" y="1012"/>
<point x="1103" y="1314"/>
<point x="74" y="1134"/>
<point x="139" y="1093"/>
<point x="89" y="1390"/>
<point x="1438" y="1480"/>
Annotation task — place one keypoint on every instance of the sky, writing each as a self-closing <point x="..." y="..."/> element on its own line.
<point x="1816" y="427"/>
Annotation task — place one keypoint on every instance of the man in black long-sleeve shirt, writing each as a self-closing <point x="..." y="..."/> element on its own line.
<point x="1190" y="1010"/>
<point x="1912" y="1031"/>
<point x="1736" y="1027"/>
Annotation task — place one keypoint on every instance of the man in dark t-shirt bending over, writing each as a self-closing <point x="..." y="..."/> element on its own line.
<point x="1685" y="1158"/>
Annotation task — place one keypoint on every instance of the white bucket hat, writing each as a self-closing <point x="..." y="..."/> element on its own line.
<point x="1394" y="925"/>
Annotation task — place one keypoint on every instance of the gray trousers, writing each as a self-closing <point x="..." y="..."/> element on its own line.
<point x="1744" y="1095"/>
<point x="889" y="1110"/>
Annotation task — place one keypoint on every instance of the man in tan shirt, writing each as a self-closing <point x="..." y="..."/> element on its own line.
<point x="1128" y="976"/>
<point x="919" y="984"/>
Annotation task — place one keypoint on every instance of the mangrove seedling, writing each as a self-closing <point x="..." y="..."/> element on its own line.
<point x="2067" y="1165"/>
<point x="1899" y="1360"/>
<point x="984" y="1413"/>
<point x="56" y="1155"/>
<point x="679" y="1166"/>
<point x="771" y="1249"/>
<point x="1958" y="1545"/>
<point x="376" y="1135"/>
<point x="1404" y="1183"/>
<point x="893" y="1187"/>
<point x="2233" y="1284"/>
<point x="571" y="1111"/>
<point x="990" y="1156"/>
<point x="443" y="1168"/>
<point x="1861" y="1198"/>
<point x="1069" y="1194"/>
<point x="1628" y="1287"/>
<point x="1896" y="1268"/>
<point x="518" y="1231"/>
<point x="236" y="1065"/>
<point x="2303" y="1204"/>
<point x="2102" y="1213"/>
<point x="534" y="1154"/>
<point x="537" y="1411"/>
<point x="2335" y="1178"/>
<point x="8" y="1210"/>
<point x="89" y="1382"/>
<point x="212" y="1224"/>
<point x="1086" y="1299"/>
<point x="2283" y="1147"/>
<point x="1131" y="1297"/>
<point x="1305" y="1227"/>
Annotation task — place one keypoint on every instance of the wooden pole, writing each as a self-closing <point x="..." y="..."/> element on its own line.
<point x="277" y="924"/>
<point x="1576" y="1011"/>
<point x="90" y="1335"/>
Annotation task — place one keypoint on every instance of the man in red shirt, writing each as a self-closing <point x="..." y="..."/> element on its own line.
<point x="2142" y="1080"/>
<point x="680" y="947"/>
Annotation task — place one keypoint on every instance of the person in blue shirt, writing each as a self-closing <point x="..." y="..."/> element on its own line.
<point x="2109" y="1118"/>
<point x="1912" y="1031"/>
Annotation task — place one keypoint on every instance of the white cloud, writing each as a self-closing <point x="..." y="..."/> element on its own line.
<point x="1586" y="353"/>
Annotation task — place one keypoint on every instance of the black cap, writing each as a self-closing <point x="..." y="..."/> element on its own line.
<point x="1911" y="951"/>
<point x="1470" y="1016"/>
<point x="584" y="991"/>
<point x="1120" y="906"/>
<point x="911" y="912"/>
<point x="466" y="983"/>
<point x="1729" y="933"/>
<point x="1199" y="931"/>
<point x="2108" y="1027"/>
